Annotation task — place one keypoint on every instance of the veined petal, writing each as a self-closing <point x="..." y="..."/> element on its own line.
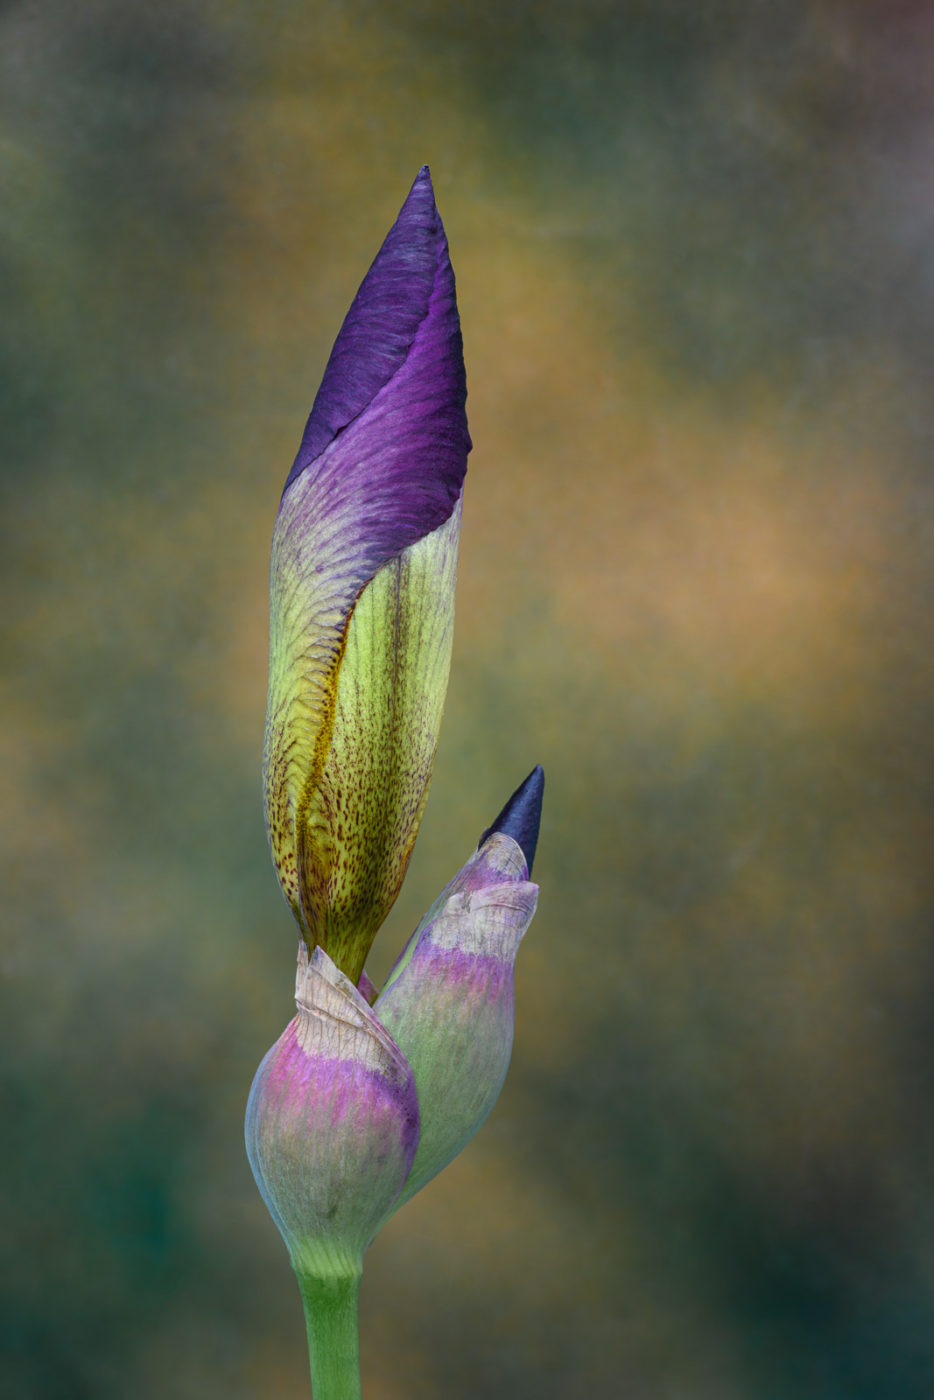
<point x="378" y="475"/>
<point x="405" y="306"/>
<point x="449" y="1002"/>
<point x="358" y="824"/>
<point x="331" y="1122"/>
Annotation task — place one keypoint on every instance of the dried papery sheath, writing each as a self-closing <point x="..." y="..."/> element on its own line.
<point x="332" y="1122"/>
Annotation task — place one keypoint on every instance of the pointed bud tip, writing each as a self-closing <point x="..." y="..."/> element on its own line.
<point x="522" y="814"/>
<point x="420" y="204"/>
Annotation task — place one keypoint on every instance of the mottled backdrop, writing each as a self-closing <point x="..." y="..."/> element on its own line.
<point x="695" y="256"/>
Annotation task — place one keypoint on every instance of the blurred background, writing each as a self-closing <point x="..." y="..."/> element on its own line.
<point x="694" y="246"/>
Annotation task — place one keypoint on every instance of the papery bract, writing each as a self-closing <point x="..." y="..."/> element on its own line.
<point x="331" y="1122"/>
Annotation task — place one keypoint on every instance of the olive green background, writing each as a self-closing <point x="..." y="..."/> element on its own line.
<point x="694" y="246"/>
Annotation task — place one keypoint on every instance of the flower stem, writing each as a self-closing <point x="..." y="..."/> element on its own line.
<point x="331" y="1322"/>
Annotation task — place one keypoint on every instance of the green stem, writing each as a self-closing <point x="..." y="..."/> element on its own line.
<point x="333" y="1347"/>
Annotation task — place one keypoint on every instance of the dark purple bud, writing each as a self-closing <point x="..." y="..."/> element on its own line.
<point x="404" y="313"/>
<point x="522" y="815"/>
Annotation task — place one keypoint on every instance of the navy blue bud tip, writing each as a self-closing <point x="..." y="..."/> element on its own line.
<point x="522" y="815"/>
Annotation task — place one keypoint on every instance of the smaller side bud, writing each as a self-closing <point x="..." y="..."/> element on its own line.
<point x="449" y="1003"/>
<point x="331" y="1123"/>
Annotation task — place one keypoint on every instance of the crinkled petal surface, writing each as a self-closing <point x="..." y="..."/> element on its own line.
<point x="379" y="472"/>
<point x="449" y="1002"/>
<point x="331" y="1122"/>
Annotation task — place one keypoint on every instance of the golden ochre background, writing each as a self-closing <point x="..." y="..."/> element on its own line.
<point x="694" y="246"/>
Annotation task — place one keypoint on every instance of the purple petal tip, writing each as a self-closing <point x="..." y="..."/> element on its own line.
<point x="522" y="815"/>
<point x="405" y="303"/>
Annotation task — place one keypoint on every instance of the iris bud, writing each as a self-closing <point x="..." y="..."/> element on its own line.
<point x="449" y="1002"/>
<point x="362" y="577"/>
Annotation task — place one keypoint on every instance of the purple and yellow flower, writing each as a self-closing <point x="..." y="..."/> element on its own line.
<point x="364" y="563"/>
<point x="367" y="1096"/>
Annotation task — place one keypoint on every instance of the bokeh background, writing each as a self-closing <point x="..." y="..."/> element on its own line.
<point x="695" y="255"/>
